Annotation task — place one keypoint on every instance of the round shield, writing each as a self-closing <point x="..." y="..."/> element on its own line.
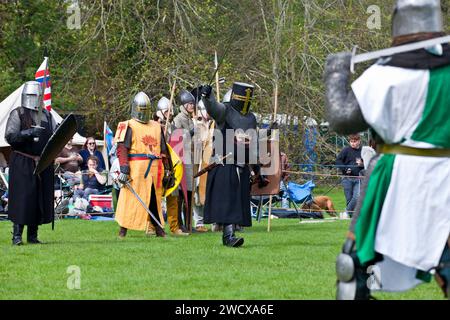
<point x="177" y="168"/>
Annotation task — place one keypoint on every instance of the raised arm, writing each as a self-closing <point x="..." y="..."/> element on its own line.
<point x="215" y="109"/>
<point x="342" y="109"/>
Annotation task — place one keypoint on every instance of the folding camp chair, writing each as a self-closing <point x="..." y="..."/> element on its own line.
<point x="298" y="194"/>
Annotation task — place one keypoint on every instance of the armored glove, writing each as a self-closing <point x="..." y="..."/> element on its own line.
<point x="338" y="62"/>
<point x="32" y="132"/>
<point x="124" y="175"/>
<point x="168" y="179"/>
<point x="206" y="91"/>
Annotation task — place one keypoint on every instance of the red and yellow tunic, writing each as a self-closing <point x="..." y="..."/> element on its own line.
<point x="145" y="143"/>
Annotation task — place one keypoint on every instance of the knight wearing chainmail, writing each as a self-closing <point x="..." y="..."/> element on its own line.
<point x="401" y="225"/>
<point x="30" y="196"/>
<point x="141" y="151"/>
<point x="184" y="121"/>
<point x="228" y="186"/>
<point x="164" y="115"/>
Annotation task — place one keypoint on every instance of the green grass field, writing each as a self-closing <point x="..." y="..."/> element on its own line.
<point x="293" y="261"/>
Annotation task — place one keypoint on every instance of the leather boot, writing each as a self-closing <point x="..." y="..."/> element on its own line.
<point x="17" y="234"/>
<point x="160" y="232"/>
<point x="228" y="237"/>
<point x="122" y="232"/>
<point x="32" y="234"/>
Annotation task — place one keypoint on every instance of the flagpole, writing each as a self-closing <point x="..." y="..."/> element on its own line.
<point x="105" y="147"/>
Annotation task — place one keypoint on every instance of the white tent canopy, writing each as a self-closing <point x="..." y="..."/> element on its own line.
<point x="13" y="101"/>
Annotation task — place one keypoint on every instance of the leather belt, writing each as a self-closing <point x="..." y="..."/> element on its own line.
<point x="35" y="158"/>
<point x="143" y="156"/>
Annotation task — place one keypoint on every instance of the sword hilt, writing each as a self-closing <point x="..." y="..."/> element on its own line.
<point x="352" y="62"/>
<point x="36" y="139"/>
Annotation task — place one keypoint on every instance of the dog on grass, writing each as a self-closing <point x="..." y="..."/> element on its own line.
<point x="319" y="204"/>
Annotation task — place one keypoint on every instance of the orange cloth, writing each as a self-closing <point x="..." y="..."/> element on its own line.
<point x="146" y="139"/>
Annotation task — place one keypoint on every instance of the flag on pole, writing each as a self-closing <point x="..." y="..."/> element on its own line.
<point x="43" y="77"/>
<point x="108" y="137"/>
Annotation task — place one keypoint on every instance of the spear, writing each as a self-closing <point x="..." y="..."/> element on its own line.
<point x="172" y="93"/>
<point x="216" y="65"/>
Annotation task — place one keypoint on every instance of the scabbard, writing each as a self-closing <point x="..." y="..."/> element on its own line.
<point x="205" y="170"/>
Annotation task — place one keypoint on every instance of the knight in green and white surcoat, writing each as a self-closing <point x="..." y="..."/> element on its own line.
<point x="401" y="230"/>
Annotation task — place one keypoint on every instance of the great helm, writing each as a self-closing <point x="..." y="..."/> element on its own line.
<point x="241" y="96"/>
<point x="140" y="107"/>
<point x="31" y="95"/>
<point x="186" y="97"/>
<point x="415" y="16"/>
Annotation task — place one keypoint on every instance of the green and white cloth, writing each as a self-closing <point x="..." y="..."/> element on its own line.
<point x="406" y="212"/>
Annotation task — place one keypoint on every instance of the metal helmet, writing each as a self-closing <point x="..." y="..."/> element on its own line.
<point x="414" y="16"/>
<point x="241" y="96"/>
<point x="140" y="107"/>
<point x="186" y="97"/>
<point x="227" y="96"/>
<point x="31" y="95"/>
<point x="163" y="104"/>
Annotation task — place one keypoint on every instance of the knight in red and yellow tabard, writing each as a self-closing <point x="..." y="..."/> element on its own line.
<point x="140" y="150"/>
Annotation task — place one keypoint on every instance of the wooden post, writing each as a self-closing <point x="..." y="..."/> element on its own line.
<point x="275" y="102"/>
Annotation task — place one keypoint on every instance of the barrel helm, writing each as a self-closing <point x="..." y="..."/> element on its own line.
<point x="241" y="97"/>
<point x="416" y="16"/>
<point x="31" y="95"/>
<point x="141" y="107"/>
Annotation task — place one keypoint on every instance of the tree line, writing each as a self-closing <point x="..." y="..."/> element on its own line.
<point x="102" y="52"/>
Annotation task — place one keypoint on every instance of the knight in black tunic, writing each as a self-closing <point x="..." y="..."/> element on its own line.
<point x="30" y="196"/>
<point x="228" y="187"/>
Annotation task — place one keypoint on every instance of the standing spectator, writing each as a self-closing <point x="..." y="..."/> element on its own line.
<point x="350" y="163"/>
<point x="90" y="149"/>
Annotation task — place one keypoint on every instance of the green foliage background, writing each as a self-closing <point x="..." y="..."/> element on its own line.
<point x="125" y="46"/>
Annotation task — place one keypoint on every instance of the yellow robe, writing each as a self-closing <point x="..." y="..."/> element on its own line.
<point x="146" y="139"/>
<point x="207" y="132"/>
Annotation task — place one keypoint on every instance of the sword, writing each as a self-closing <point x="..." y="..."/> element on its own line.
<point x="217" y="161"/>
<point x="394" y="50"/>
<point x="128" y="185"/>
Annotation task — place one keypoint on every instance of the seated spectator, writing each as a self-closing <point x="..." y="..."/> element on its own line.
<point x="4" y="201"/>
<point x="90" y="149"/>
<point x="92" y="181"/>
<point x="70" y="161"/>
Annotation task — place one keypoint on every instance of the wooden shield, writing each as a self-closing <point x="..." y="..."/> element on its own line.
<point x="177" y="168"/>
<point x="273" y="188"/>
